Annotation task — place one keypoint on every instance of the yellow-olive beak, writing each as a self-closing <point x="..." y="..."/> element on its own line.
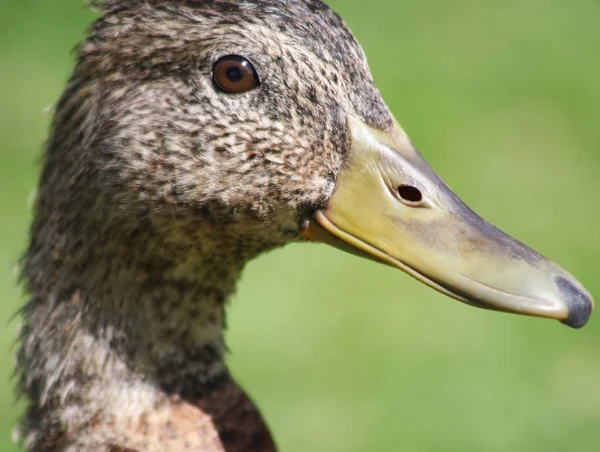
<point x="389" y="205"/>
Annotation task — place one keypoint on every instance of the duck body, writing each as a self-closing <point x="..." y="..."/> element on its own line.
<point x="159" y="184"/>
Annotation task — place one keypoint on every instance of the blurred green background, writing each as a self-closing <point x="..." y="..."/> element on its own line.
<point x="503" y="99"/>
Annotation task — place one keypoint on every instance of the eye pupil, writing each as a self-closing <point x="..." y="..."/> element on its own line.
<point x="410" y="193"/>
<point x="233" y="74"/>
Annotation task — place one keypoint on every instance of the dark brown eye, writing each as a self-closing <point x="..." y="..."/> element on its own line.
<point x="410" y="194"/>
<point x="234" y="74"/>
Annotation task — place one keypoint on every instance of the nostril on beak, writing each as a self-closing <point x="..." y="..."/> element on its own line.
<point x="578" y="302"/>
<point x="410" y="194"/>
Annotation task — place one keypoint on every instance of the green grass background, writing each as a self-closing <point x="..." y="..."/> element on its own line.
<point x="503" y="99"/>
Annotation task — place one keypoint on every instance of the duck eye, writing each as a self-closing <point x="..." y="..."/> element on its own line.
<point x="410" y="194"/>
<point x="234" y="74"/>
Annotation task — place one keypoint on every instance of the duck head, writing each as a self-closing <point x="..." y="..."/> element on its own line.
<point x="259" y="121"/>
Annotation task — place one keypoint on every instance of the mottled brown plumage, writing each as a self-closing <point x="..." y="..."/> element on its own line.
<point x="156" y="189"/>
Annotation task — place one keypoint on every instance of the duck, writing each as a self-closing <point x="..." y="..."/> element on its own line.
<point x="192" y="137"/>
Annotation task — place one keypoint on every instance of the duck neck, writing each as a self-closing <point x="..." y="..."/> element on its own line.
<point x="164" y="317"/>
<point x="133" y="310"/>
<point x="123" y="334"/>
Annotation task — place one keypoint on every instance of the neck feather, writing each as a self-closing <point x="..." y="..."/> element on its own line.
<point x="120" y="323"/>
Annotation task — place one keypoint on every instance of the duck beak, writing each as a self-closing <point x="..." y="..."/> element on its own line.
<point x="389" y="205"/>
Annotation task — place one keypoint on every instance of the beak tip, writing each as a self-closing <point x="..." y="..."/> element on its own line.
<point x="579" y="303"/>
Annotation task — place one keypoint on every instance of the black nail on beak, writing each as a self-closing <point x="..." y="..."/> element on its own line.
<point x="579" y="304"/>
